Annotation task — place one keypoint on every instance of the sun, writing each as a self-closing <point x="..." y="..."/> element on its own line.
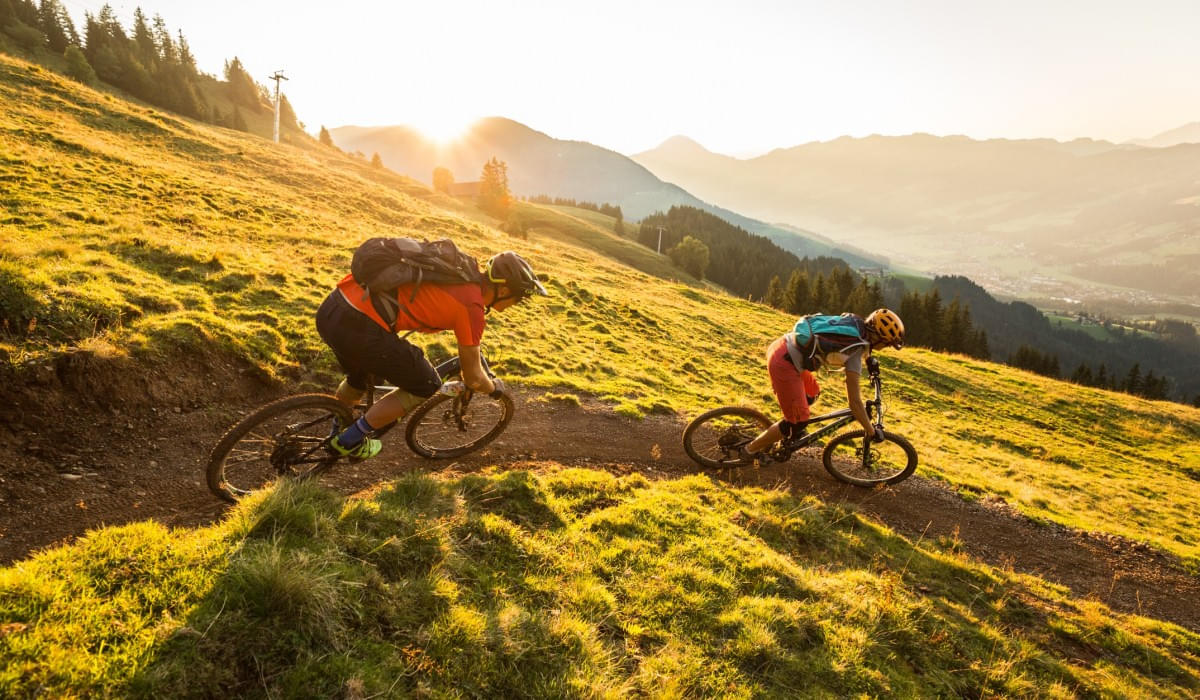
<point x="443" y="128"/>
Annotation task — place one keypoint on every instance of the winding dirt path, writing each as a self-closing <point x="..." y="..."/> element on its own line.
<point x="59" y="488"/>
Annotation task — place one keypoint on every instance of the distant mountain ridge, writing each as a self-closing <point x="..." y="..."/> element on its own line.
<point x="1188" y="133"/>
<point x="541" y="164"/>
<point x="1081" y="214"/>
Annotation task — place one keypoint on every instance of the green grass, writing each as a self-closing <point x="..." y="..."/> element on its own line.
<point x="572" y="583"/>
<point x="134" y="234"/>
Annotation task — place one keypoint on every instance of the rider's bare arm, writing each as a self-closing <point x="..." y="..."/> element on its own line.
<point x="854" y="396"/>
<point x="472" y="369"/>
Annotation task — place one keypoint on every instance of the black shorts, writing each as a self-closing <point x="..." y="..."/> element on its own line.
<point x="363" y="348"/>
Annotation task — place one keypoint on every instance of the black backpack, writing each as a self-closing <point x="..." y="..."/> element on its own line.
<point x="384" y="264"/>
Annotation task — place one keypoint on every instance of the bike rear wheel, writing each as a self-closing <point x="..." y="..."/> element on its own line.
<point x="887" y="462"/>
<point x="713" y="439"/>
<point x="452" y="426"/>
<point x="285" y="438"/>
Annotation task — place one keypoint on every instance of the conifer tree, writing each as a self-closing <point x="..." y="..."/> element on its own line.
<point x="820" y="294"/>
<point x="143" y="38"/>
<point x="1133" y="380"/>
<point x="797" y="297"/>
<point x="327" y="140"/>
<point x="494" y="197"/>
<point x="55" y="24"/>
<point x="1082" y="375"/>
<point x="775" y="297"/>
<point x="376" y="161"/>
<point x="242" y="88"/>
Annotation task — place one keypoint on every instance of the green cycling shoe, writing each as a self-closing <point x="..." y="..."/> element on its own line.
<point x="366" y="449"/>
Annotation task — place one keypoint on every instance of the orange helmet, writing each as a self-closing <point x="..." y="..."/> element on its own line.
<point x="887" y="327"/>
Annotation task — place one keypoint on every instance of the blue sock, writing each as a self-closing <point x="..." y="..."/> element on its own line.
<point x="355" y="434"/>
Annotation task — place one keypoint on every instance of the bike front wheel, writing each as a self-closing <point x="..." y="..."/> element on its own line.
<point x="285" y="438"/>
<point x="451" y="426"/>
<point x="713" y="439"/>
<point x="887" y="462"/>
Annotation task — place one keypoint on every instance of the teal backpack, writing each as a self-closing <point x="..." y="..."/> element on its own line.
<point x="816" y="336"/>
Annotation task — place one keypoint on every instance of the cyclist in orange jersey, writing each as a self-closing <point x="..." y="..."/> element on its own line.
<point x="365" y="345"/>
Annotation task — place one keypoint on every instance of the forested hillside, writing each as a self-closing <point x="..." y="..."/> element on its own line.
<point x="147" y="61"/>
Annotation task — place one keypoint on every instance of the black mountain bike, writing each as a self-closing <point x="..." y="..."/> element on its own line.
<point x="287" y="438"/>
<point x="714" y="440"/>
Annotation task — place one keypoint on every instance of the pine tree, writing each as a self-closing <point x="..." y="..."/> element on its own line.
<point x="242" y="89"/>
<point x="494" y="197"/>
<point x="1082" y="375"/>
<point x="1133" y="380"/>
<point x="859" y="301"/>
<point x="619" y="224"/>
<point x="376" y="161"/>
<point x="797" y="298"/>
<point x="327" y="140"/>
<point x="956" y="326"/>
<point x="775" y="296"/>
<point x="1196" y="401"/>
<point x="981" y="349"/>
<point x="143" y="39"/>
<point x="56" y="25"/>
<point x="820" y="294"/>
<point x="1102" y="379"/>
<point x="932" y="308"/>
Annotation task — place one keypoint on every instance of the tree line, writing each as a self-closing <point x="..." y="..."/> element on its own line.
<point x="147" y="61"/>
<point x="1132" y="382"/>
<point x="742" y="262"/>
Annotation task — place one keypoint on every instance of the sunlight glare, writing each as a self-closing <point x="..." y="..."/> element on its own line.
<point x="443" y="128"/>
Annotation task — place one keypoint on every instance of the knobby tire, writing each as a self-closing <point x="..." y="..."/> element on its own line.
<point x="430" y="418"/>
<point x="219" y="458"/>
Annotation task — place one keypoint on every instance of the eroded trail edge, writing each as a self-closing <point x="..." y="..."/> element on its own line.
<point x="117" y="468"/>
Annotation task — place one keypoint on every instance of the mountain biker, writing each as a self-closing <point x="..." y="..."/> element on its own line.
<point x="364" y="345"/>
<point x="795" y="387"/>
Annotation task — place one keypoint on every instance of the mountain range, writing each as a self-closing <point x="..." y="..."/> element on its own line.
<point x="1079" y="218"/>
<point x="539" y="164"/>
<point x="1188" y="133"/>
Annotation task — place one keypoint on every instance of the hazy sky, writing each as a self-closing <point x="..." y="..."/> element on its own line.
<point x="739" y="77"/>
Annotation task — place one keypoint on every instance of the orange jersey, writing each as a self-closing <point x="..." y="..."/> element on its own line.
<point x="457" y="308"/>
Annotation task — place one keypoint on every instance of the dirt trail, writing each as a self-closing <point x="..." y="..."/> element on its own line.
<point x="58" y="489"/>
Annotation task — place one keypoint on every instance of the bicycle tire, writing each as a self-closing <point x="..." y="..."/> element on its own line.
<point x="426" y="425"/>
<point x="262" y="466"/>
<point x="697" y="446"/>
<point x="838" y="460"/>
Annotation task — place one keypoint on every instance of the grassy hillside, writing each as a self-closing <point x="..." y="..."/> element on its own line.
<point x="142" y="238"/>
<point x="131" y="234"/>
<point x="574" y="583"/>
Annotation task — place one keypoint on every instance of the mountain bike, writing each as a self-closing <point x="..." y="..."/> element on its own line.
<point x="714" y="439"/>
<point x="287" y="438"/>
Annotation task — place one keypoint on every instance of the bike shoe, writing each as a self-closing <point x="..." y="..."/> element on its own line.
<point x="750" y="459"/>
<point x="369" y="447"/>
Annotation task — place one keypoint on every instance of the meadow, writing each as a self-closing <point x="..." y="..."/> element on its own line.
<point x="145" y="239"/>
<point x="560" y="583"/>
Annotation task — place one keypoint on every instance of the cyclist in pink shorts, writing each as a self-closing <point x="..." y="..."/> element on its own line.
<point x="791" y="365"/>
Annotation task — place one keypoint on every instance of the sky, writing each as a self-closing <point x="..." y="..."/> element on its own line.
<point x="740" y="77"/>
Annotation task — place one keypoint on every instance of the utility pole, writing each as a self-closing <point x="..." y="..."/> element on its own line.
<point x="277" y="77"/>
<point x="660" y="230"/>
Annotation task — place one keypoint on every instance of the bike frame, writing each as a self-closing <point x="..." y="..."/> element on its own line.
<point x="843" y="417"/>
<point x="446" y="370"/>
